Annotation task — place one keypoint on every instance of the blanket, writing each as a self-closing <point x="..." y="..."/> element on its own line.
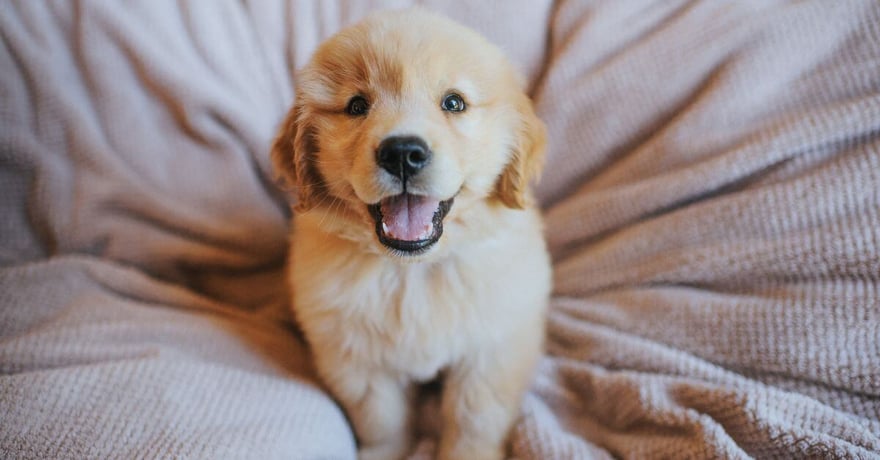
<point x="712" y="206"/>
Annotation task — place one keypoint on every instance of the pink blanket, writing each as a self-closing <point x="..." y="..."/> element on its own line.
<point x="712" y="202"/>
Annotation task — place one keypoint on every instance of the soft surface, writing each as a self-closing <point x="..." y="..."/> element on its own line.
<point x="712" y="197"/>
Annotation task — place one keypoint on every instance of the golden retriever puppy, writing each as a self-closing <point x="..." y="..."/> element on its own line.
<point x="417" y="251"/>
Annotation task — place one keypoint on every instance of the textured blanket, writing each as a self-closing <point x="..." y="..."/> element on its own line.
<point x="712" y="200"/>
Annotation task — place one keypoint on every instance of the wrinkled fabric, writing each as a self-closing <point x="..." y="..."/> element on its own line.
<point x="712" y="205"/>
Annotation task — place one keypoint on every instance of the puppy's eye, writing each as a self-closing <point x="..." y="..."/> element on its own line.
<point x="453" y="103"/>
<point x="357" y="106"/>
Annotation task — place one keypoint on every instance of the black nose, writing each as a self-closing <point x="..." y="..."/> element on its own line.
<point x="403" y="156"/>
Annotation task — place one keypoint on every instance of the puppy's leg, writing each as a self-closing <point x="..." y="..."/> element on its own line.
<point x="482" y="397"/>
<point x="379" y="408"/>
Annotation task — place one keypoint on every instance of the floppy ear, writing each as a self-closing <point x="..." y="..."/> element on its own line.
<point x="293" y="158"/>
<point x="527" y="157"/>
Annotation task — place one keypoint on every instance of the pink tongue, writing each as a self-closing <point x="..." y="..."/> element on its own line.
<point x="409" y="217"/>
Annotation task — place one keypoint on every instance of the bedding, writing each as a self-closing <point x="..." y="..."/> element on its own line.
<point x="712" y="205"/>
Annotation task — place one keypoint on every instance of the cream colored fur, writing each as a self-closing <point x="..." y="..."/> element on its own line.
<point x="470" y="309"/>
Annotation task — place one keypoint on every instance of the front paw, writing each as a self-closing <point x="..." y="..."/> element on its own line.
<point x="383" y="451"/>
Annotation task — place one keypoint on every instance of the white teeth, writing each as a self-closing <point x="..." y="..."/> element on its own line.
<point x="427" y="231"/>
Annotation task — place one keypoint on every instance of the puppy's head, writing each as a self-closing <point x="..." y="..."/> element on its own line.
<point x="402" y="120"/>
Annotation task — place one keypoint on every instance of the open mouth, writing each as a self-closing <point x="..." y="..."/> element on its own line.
<point x="409" y="223"/>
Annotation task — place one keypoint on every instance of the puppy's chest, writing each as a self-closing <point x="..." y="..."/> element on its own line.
<point x="415" y="320"/>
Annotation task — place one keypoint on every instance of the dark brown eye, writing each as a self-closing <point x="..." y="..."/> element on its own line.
<point x="453" y="103"/>
<point x="357" y="106"/>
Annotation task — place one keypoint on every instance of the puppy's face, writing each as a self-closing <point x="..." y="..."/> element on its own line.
<point x="402" y="120"/>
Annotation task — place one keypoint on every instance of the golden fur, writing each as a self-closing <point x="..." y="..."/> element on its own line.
<point x="471" y="307"/>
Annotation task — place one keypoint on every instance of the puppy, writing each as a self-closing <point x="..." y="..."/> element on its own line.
<point x="416" y="248"/>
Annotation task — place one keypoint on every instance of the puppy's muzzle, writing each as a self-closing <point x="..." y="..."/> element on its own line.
<point x="408" y="223"/>
<point x="403" y="156"/>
